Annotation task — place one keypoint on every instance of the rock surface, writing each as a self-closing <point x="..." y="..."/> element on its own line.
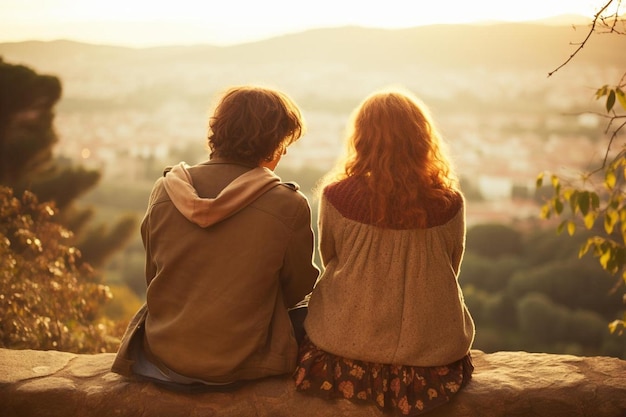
<point x="506" y="384"/>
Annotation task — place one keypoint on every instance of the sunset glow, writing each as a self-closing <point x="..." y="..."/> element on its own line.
<point x="149" y="23"/>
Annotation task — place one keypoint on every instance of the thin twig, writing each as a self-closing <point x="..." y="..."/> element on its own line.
<point x="594" y="22"/>
<point x="613" y="136"/>
<point x="615" y="17"/>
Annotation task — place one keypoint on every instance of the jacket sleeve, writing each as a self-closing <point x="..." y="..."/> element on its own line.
<point x="299" y="271"/>
<point x="123" y="362"/>
<point x="150" y="267"/>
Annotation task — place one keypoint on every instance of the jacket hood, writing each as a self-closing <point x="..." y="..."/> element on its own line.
<point x="207" y="211"/>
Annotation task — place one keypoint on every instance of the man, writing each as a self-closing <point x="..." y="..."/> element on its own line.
<point x="229" y="250"/>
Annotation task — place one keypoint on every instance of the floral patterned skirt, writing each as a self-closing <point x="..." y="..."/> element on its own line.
<point x="400" y="390"/>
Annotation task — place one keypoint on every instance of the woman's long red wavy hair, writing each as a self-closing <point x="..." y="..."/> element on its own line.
<point x="395" y="148"/>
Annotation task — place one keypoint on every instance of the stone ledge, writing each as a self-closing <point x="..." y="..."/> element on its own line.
<point x="505" y="384"/>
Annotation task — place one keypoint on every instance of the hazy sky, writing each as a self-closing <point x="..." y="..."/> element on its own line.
<point x="223" y="22"/>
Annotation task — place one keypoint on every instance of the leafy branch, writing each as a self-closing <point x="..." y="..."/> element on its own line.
<point x="599" y="207"/>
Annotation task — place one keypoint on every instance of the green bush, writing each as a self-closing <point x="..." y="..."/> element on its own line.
<point x="49" y="298"/>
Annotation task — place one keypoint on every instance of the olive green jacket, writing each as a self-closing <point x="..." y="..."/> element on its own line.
<point x="229" y="248"/>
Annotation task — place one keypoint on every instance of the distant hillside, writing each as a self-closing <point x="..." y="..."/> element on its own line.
<point x="493" y="46"/>
<point x="565" y="20"/>
<point x="496" y="45"/>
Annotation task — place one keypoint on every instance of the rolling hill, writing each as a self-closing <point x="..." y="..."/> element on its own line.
<point x="500" y="45"/>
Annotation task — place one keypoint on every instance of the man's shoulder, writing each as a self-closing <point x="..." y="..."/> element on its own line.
<point x="284" y="195"/>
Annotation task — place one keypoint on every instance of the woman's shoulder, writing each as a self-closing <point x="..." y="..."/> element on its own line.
<point x="442" y="210"/>
<point x="348" y="185"/>
<point x="348" y="196"/>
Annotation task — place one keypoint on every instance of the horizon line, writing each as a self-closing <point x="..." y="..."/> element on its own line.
<point x="556" y="20"/>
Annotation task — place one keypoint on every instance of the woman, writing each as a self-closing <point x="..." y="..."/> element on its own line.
<point x="386" y="320"/>
<point x="229" y="249"/>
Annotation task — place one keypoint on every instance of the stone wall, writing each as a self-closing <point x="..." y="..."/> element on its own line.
<point x="506" y="384"/>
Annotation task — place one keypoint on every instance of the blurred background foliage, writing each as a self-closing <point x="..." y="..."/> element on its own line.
<point x="528" y="290"/>
<point x="52" y="293"/>
<point x="49" y="298"/>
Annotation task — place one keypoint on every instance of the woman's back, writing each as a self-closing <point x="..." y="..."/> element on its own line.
<point x="389" y="295"/>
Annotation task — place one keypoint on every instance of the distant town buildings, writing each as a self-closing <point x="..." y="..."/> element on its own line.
<point x="503" y="127"/>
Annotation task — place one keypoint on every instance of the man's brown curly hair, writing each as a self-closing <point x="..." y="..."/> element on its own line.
<point x="252" y="124"/>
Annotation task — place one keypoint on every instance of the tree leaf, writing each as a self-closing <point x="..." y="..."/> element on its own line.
<point x="617" y="327"/>
<point x="610" y="100"/>
<point x="621" y="97"/>
<point x="604" y="259"/>
<point x="601" y="91"/>
<point x="558" y="205"/>
<point x="590" y="219"/>
<point x="610" y="220"/>
<point x="555" y="181"/>
<point x="583" y="202"/>
<point x="571" y="228"/>
<point x="610" y="180"/>
<point x="539" y="181"/>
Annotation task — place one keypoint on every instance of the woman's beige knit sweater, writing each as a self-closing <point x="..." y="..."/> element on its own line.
<point x="389" y="295"/>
